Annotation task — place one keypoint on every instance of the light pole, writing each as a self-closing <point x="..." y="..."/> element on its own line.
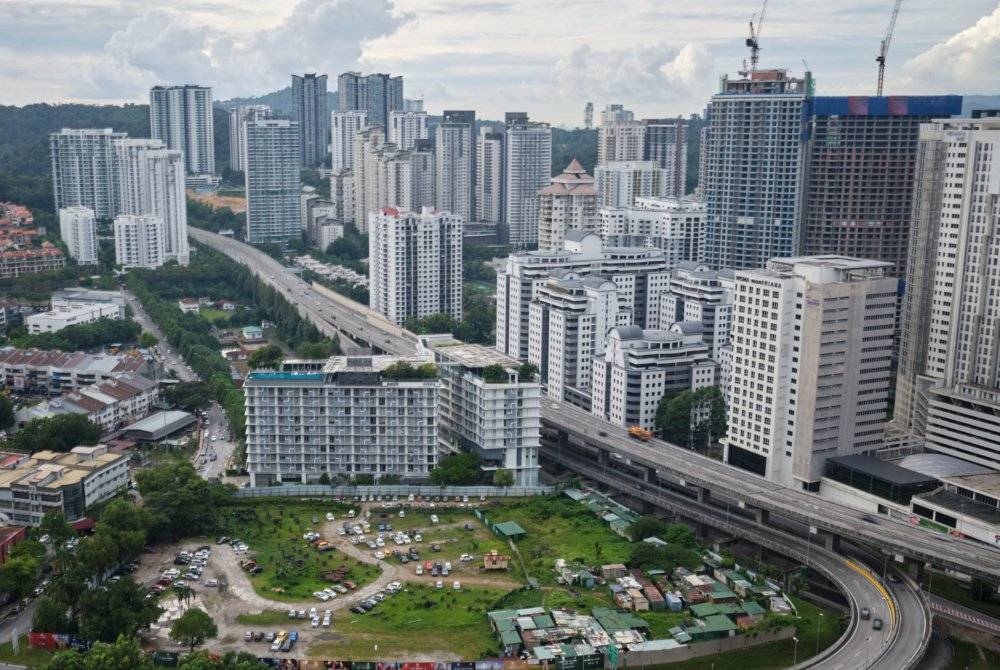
<point x="819" y="624"/>
<point x="795" y="655"/>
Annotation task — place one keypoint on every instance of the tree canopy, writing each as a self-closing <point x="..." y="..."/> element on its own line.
<point x="692" y="418"/>
<point x="179" y="501"/>
<point x="456" y="470"/>
<point x="124" y="654"/>
<point x="268" y="357"/>
<point x="61" y="433"/>
<point x="120" y="608"/>
<point x="7" y="416"/>
<point x="84" y="336"/>
<point x="192" y="628"/>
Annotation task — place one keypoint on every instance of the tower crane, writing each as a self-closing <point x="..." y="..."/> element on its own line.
<point x="884" y="49"/>
<point x="754" y="40"/>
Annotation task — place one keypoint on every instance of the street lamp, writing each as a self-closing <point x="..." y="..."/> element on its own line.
<point x="819" y="624"/>
<point x="795" y="656"/>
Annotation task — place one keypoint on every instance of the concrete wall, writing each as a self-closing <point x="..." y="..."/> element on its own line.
<point x="638" y="659"/>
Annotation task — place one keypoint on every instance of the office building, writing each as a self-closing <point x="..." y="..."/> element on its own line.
<point x="947" y="384"/>
<point x="568" y="321"/>
<point x="415" y="263"/>
<point x="497" y="417"/>
<point x="139" y="241"/>
<point x="639" y="367"/>
<point x="569" y="202"/>
<point x="272" y="181"/>
<point x="309" y="110"/>
<point x="639" y="274"/>
<point x="376" y="94"/>
<point x="619" y="184"/>
<point x="405" y="128"/>
<point x="702" y="295"/>
<point x="78" y="231"/>
<point x="181" y="116"/>
<point x="812" y="342"/>
<point x="455" y="168"/>
<point x="861" y="161"/>
<point x="620" y="137"/>
<point x="665" y="143"/>
<point x="372" y="416"/>
<point x="343" y="127"/>
<point x="755" y="165"/>
<point x="238" y="118"/>
<point x="68" y="315"/>
<point x="489" y="176"/>
<point x="150" y="182"/>
<point x="83" y="169"/>
<point x="65" y="483"/>
<point x="527" y="169"/>
<point x="673" y="225"/>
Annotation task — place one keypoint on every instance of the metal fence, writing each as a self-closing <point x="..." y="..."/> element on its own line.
<point x="402" y="490"/>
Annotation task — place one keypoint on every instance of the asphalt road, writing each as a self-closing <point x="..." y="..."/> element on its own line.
<point x="215" y="424"/>
<point x="167" y="356"/>
<point x="20" y="622"/>
<point x="964" y="615"/>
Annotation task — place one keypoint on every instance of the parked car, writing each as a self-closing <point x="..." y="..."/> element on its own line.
<point x="248" y="636"/>
<point x="457" y="585"/>
<point x="439" y="584"/>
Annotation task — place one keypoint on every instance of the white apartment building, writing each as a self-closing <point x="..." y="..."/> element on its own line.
<point x="272" y="178"/>
<point x="78" y="230"/>
<point x="948" y="386"/>
<point x="639" y="274"/>
<point x="620" y="137"/>
<point x="812" y="342"/>
<point x="343" y="127"/>
<point x="181" y="116"/>
<point x="569" y="202"/>
<point x="415" y="263"/>
<point x="238" y="118"/>
<point x="342" y="194"/>
<point x="353" y="417"/>
<point x="405" y="128"/>
<point x="61" y="316"/>
<point x="640" y="366"/>
<point x="454" y="171"/>
<point x="527" y="169"/>
<point x="489" y="177"/>
<point x="498" y="419"/>
<point x="139" y="241"/>
<point x="702" y="295"/>
<point x="386" y="176"/>
<point x="83" y="169"/>
<point x="368" y="143"/>
<point x="619" y="184"/>
<point x="150" y="181"/>
<point x="568" y="322"/>
<point x="673" y="225"/>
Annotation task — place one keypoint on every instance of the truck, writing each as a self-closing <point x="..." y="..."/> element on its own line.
<point x="640" y="433"/>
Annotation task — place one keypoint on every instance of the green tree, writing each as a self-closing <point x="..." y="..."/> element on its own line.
<point x="18" y="575"/>
<point x="646" y="526"/>
<point x="268" y="357"/>
<point x="503" y="477"/>
<point x="51" y="616"/>
<point x="192" y="628"/>
<point x="120" y="608"/>
<point x="456" y="470"/>
<point x="324" y="479"/>
<point x="527" y="372"/>
<point x="123" y="654"/>
<point x="147" y="340"/>
<point x="189" y="396"/>
<point x="495" y="374"/>
<point x="673" y="418"/>
<point x="54" y="525"/>
<point x="57" y="433"/>
<point x="180" y="503"/>
<point x="680" y="535"/>
<point x="7" y="416"/>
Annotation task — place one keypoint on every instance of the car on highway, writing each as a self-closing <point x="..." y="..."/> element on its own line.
<point x="866" y="613"/>
<point x="877" y="624"/>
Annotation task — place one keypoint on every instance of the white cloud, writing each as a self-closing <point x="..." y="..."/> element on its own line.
<point x="655" y="74"/>
<point x="162" y="46"/>
<point x="965" y="62"/>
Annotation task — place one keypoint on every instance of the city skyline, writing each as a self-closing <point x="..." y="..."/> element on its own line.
<point x="598" y="55"/>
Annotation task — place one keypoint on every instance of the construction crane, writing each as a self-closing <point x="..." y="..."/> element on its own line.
<point x="884" y="49"/>
<point x="754" y="40"/>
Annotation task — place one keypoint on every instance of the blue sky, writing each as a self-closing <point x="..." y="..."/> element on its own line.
<point x="545" y="57"/>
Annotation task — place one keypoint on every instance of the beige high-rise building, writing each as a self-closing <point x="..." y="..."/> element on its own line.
<point x="620" y="137"/>
<point x="568" y="203"/>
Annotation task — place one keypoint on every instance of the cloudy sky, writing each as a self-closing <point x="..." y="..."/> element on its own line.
<point x="546" y="57"/>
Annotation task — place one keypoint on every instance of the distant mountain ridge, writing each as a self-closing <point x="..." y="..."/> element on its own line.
<point x="971" y="102"/>
<point x="279" y="101"/>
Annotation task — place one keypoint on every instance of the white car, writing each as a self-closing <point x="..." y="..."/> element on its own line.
<point x="211" y="583"/>
<point x="439" y="584"/>
<point x="319" y="595"/>
<point x="312" y="612"/>
<point x="457" y="585"/>
<point x="330" y="517"/>
<point x="292" y="614"/>
<point x="326" y="622"/>
<point x="315" y="622"/>
<point x="465" y="558"/>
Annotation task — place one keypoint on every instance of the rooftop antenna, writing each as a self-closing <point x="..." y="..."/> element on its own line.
<point x="884" y="49"/>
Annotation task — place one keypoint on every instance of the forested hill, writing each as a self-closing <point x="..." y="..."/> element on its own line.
<point x="279" y="101"/>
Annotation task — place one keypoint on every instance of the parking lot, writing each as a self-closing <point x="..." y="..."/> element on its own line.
<point x="430" y="542"/>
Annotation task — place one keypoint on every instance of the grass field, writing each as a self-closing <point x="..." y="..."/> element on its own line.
<point x="291" y="567"/>
<point x="968" y="656"/>
<point x="559" y="528"/>
<point x="33" y="658"/>
<point x="419" y="620"/>
<point x="210" y="314"/>
<point x="958" y="592"/>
